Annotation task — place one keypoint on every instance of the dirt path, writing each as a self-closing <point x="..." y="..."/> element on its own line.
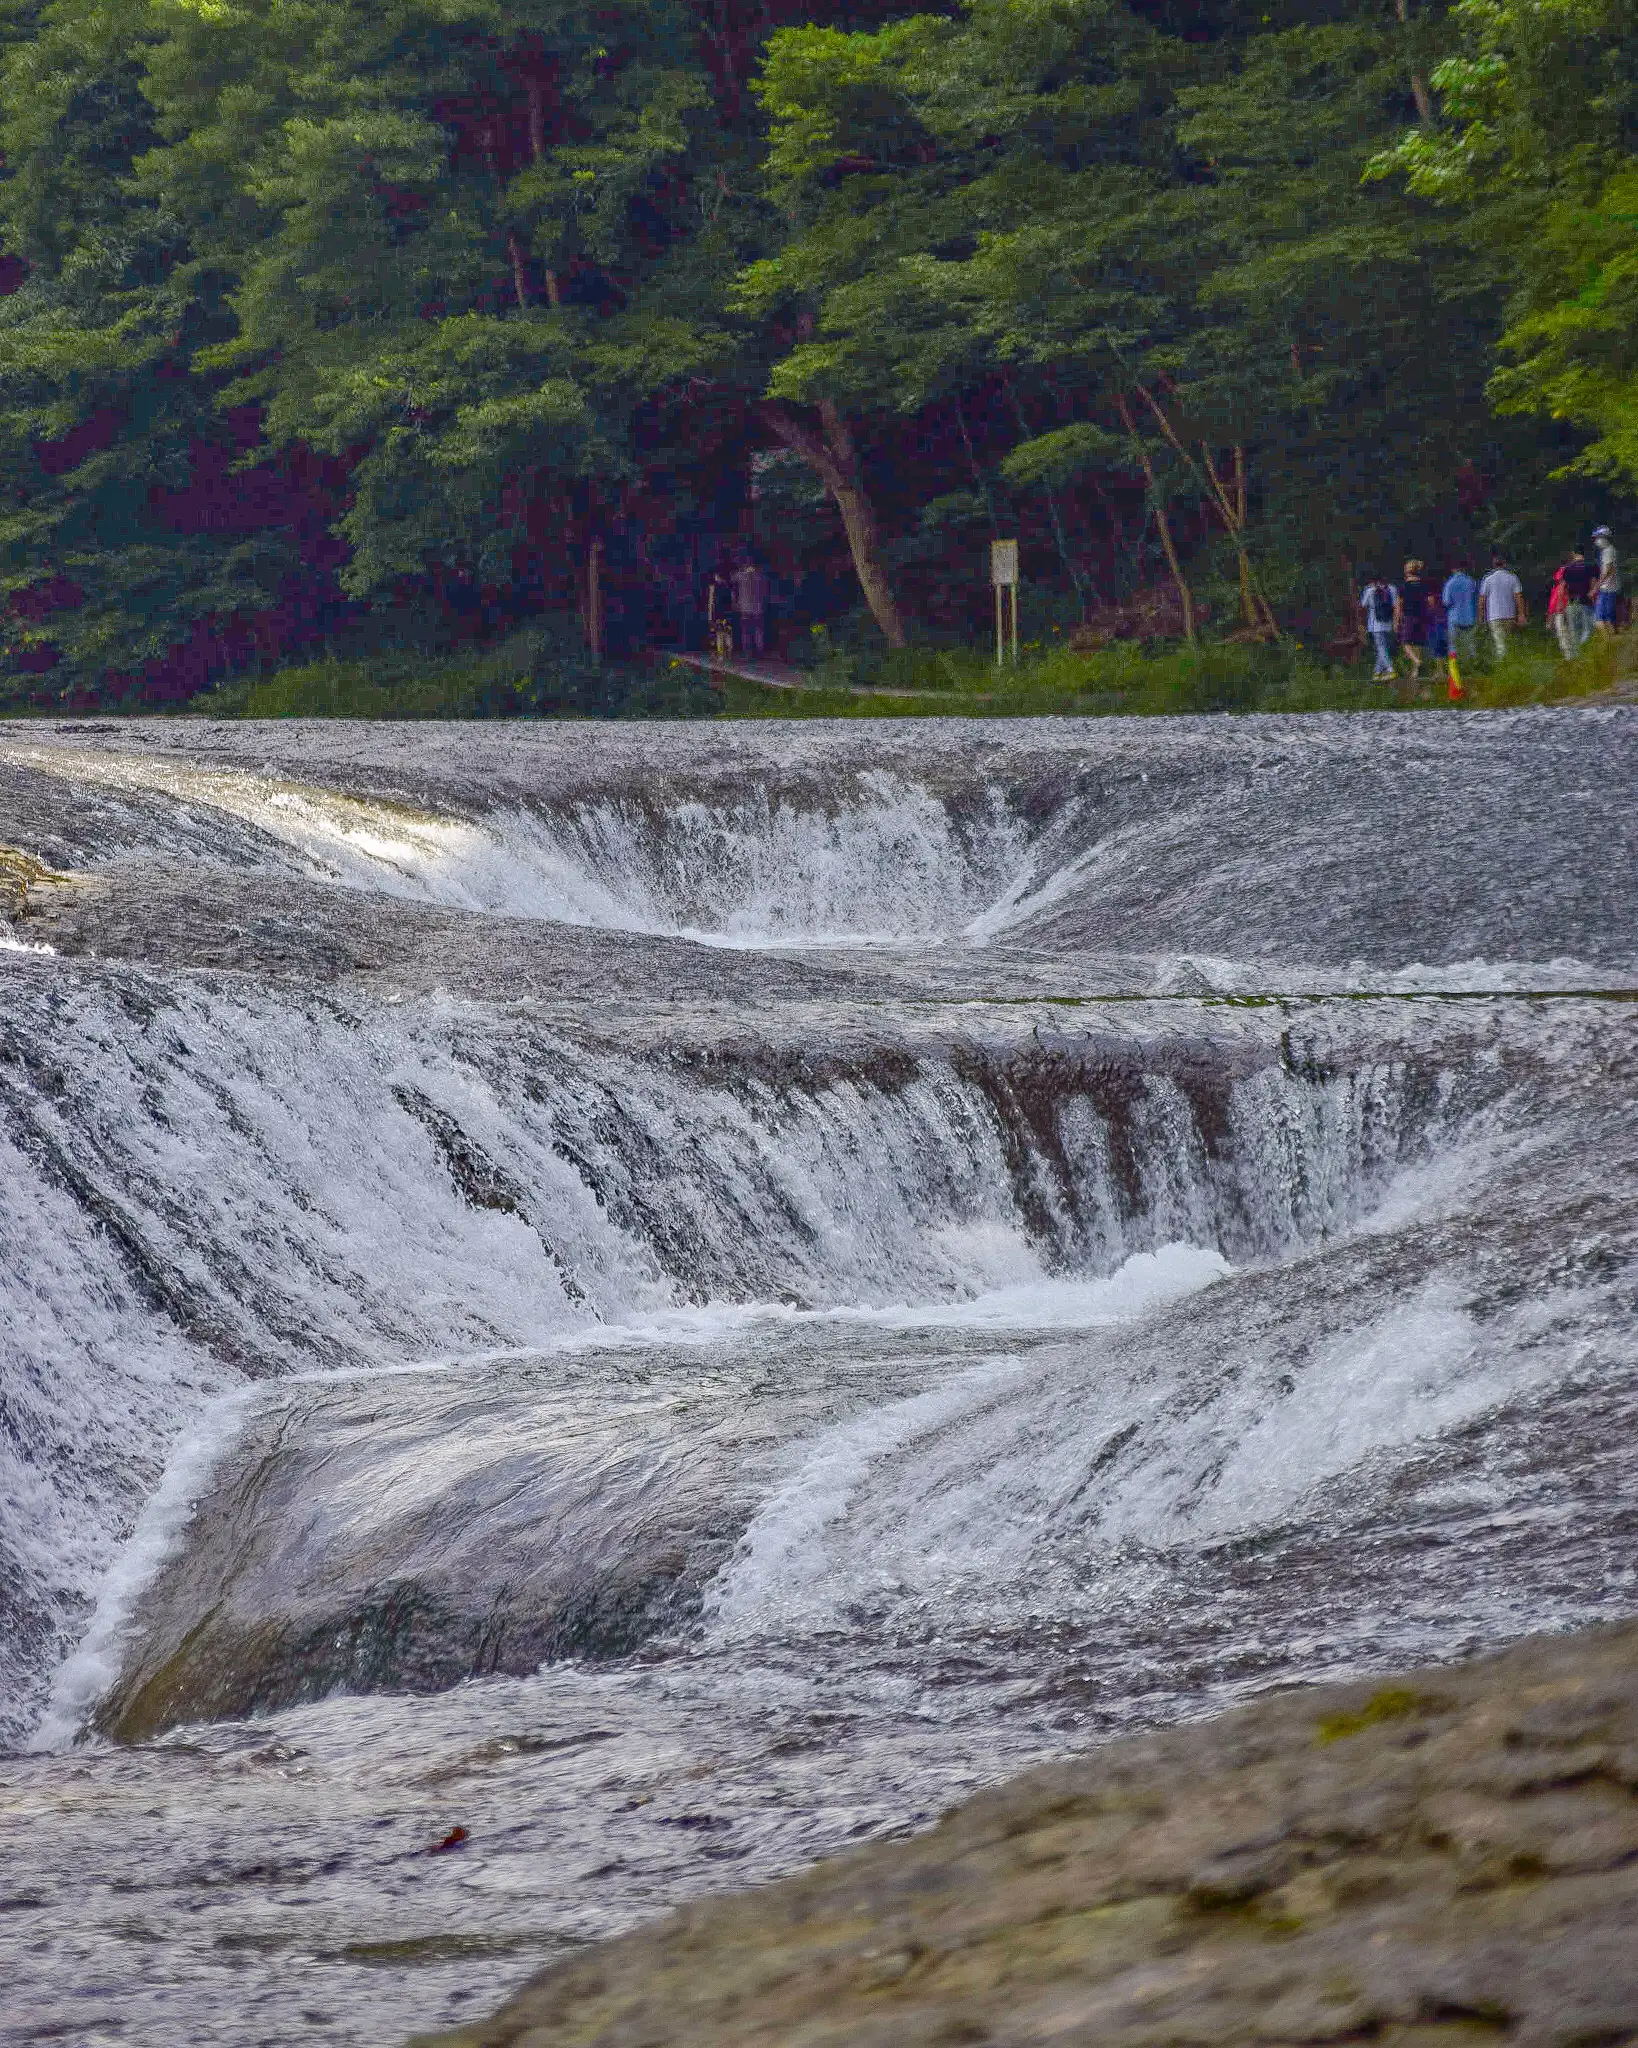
<point x="774" y="674"/>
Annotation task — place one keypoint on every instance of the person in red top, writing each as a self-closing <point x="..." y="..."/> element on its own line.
<point x="1573" y="621"/>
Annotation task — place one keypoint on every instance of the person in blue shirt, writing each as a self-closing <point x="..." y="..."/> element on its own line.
<point x="1461" y="596"/>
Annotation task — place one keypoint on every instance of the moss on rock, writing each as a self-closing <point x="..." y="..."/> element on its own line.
<point x="1462" y="1868"/>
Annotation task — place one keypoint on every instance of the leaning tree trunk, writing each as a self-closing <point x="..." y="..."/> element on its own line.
<point x="832" y="454"/>
<point x="1418" y="83"/>
<point x="859" y="523"/>
<point x="1185" y="596"/>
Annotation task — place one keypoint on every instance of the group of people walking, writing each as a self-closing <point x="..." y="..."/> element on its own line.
<point x="1423" y="618"/>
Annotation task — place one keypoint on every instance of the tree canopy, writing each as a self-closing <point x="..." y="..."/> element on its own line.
<point x="322" y="317"/>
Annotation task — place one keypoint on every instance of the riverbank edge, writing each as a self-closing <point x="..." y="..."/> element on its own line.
<point x="1447" y="1856"/>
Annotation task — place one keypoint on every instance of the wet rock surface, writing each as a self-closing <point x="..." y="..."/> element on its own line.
<point x="548" y="1532"/>
<point x="651" y="1304"/>
<point x="1443" y="1858"/>
<point x="1308" y="843"/>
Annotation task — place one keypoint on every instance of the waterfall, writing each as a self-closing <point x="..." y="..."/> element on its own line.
<point x="920" y="1243"/>
<point x="268" y="1183"/>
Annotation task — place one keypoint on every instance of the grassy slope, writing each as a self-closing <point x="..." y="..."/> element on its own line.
<point x="505" y="681"/>
<point x="1135" y="682"/>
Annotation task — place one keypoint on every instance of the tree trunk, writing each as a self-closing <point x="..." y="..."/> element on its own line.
<point x="536" y="94"/>
<point x="537" y="149"/>
<point x="1259" y="612"/>
<point x="1185" y="595"/>
<point x="859" y="523"/>
<point x="1353" y="618"/>
<point x="1052" y="502"/>
<point x="1233" y="524"/>
<point x="1419" y="85"/>
<point x="1246" y="603"/>
<point x="832" y="454"/>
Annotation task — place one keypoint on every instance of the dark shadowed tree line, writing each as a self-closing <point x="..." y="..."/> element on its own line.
<point x="398" y="322"/>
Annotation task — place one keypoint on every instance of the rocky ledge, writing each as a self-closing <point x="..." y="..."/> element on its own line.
<point x="1444" y="1858"/>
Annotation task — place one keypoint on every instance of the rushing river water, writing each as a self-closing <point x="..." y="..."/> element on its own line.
<point x="593" y="1313"/>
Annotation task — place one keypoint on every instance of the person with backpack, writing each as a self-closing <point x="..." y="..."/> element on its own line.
<point x="1379" y="602"/>
<point x="1501" y="599"/>
<point x="719" y="613"/>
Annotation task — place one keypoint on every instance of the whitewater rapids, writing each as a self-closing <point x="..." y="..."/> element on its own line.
<point x="672" y="1298"/>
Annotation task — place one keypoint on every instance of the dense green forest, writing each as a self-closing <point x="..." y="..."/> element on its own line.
<point x="374" y="324"/>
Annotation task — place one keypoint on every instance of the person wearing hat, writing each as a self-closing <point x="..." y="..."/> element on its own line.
<point x="1607" y="601"/>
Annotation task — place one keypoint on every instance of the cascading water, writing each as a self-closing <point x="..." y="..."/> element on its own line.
<point x="811" y="1265"/>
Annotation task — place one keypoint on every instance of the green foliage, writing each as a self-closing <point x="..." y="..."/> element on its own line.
<point x="1065" y="453"/>
<point x="1574" y="339"/>
<point x="528" y="675"/>
<point x="387" y="306"/>
<point x="950" y="183"/>
<point x="1391" y="1703"/>
<point x="508" y="266"/>
<point x="1132" y="679"/>
<point x="94" y="349"/>
<point x="1540" y="141"/>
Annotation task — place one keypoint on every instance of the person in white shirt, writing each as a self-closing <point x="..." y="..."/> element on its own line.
<point x="1501" y="601"/>
<point x="751" y="603"/>
<point x="1379" y="602"/>
<point x="1607" y="590"/>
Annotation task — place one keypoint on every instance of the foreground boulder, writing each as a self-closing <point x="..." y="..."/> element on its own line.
<point x="1446" y="1858"/>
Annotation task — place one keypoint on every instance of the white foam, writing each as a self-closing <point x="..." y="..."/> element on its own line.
<point x="1120" y="1453"/>
<point x="1146" y="1281"/>
<point x="891" y="865"/>
<point x="1478" y="976"/>
<point x="97" y="1384"/>
<point x="91" y="1668"/>
<point x="1418" y="1371"/>
<point x="781" y="1566"/>
<point x="1045" y="882"/>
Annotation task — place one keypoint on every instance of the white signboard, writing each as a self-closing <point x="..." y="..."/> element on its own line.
<point x="1004" y="575"/>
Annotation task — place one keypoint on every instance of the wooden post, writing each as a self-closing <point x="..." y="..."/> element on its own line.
<point x="1004" y="575"/>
